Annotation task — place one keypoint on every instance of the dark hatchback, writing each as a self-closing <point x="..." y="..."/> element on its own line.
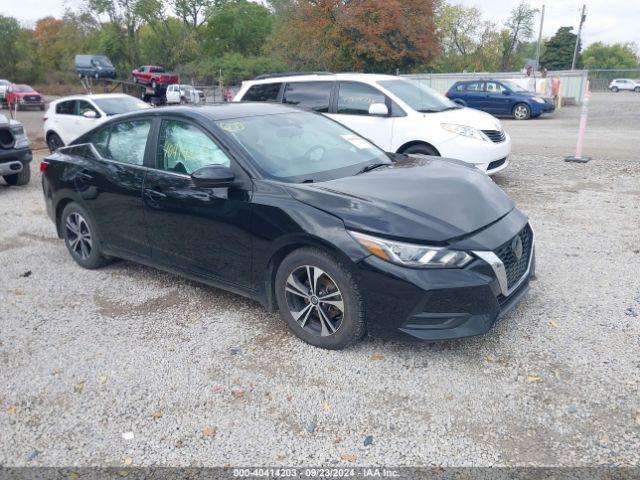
<point x="294" y="210"/>
<point x="502" y="97"/>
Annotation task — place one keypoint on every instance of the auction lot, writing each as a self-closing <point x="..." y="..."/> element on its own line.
<point x="128" y="365"/>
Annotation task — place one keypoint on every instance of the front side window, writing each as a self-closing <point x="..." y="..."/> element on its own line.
<point x="66" y="108"/>
<point x="302" y="146"/>
<point x="84" y="106"/>
<point x="184" y="148"/>
<point x="355" y="98"/>
<point x="264" y="92"/>
<point x="493" y="87"/>
<point x="418" y="96"/>
<point x="123" y="142"/>
<point x="312" y="95"/>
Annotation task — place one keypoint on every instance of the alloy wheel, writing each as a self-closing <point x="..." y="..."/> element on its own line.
<point x="79" y="235"/>
<point x="314" y="300"/>
<point x="520" y="112"/>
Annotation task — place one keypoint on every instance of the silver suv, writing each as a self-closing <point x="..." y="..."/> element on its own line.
<point x="618" y="84"/>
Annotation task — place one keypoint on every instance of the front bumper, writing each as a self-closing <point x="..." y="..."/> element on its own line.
<point x="441" y="304"/>
<point x="539" y="108"/>
<point x="479" y="153"/>
<point x="13" y="160"/>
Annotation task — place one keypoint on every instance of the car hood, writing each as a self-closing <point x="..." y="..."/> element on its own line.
<point x="426" y="199"/>
<point x="469" y="117"/>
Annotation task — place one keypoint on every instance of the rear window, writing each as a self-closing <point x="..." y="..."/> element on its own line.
<point x="312" y="95"/>
<point x="265" y="92"/>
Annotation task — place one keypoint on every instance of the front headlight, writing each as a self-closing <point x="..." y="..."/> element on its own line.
<point x="21" y="139"/>
<point x="538" y="100"/>
<point x="465" y="131"/>
<point x="412" y="255"/>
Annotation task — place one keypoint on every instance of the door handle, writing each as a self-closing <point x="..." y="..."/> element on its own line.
<point x="154" y="194"/>
<point x="84" y="175"/>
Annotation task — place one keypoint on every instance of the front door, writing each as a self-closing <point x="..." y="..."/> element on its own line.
<point x="352" y="110"/>
<point x="497" y="101"/>
<point x="475" y="96"/>
<point x="111" y="186"/>
<point x="204" y="231"/>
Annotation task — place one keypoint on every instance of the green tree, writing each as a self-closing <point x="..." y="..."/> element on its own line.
<point x="518" y="29"/>
<point x="558" y="50"/>
<point x="9" y="30"/>
<point x="618" y="55"/>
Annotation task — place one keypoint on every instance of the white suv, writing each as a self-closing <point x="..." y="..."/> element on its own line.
<point x="70" y="117"/>
<point x="397" y="114"/>
<point x="618" y="84"/>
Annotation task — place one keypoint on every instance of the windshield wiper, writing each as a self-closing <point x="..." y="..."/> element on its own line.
<point x="372" y="166"/>
<point x="426" y="110"/>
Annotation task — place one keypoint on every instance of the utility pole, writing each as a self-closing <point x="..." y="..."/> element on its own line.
<point x="539" y="39"/>
<point x="575" y="49"/>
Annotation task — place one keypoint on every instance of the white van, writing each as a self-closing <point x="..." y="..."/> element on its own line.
<point x="397" y="114"/>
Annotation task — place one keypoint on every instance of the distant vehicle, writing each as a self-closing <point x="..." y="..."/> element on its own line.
<point x="22" y="96"/>
<point x="4" y="85"/>
<point x="397" y="114"/>
<point x="95" y="66"/>
<point x="69" y="117"/>
<point x="181" y="93"/>
<point x="618" y="84"/>
<point x="500" y="97"/>
<point x="154" y="76"/>
<point x="15" y="152"/>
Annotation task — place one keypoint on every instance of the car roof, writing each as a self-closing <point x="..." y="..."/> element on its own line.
<point x="93" y="96"/>
<point x="219" y="111"/>
<point x="327" y="77"/>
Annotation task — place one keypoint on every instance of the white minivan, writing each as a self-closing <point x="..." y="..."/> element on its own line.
<point x="397" y="114"/>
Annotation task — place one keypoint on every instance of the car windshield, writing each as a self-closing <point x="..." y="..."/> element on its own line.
<point x="117" y="105"/>
<point x="302" y="147"/>
<point x="417" y="96"/>
<point x="23" y="88"/>
<point x="4" y="83"/>
<point x="103" y="61"/>
<point x="514" y="87"/>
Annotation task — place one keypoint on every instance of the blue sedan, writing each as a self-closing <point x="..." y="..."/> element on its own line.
<point x="500" y="98"/>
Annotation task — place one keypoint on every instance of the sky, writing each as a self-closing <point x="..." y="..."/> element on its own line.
<point x="604" y="23"/>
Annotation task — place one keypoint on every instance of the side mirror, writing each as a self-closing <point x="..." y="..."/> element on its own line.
<point x="90" y="114"/>
<point x="213" y="176"/>
<point x="378" y="109"/>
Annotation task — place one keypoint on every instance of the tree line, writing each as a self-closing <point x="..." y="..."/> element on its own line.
<point x="238" y="39"/>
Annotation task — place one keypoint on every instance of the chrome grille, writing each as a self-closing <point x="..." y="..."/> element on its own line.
<point x="515" y="267"/>
<point x="496" y="136"/>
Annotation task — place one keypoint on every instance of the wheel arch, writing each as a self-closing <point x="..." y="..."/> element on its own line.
<point x="417" y="142"/>
<point x="60" y="206"/>
<point x="280" y="253"/>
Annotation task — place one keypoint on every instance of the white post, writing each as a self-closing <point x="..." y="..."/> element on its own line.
<point x="581" y="130"/>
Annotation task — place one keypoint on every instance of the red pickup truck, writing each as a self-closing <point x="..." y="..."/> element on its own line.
<point x="154" y="76"/>
<point x="23" y="96"/>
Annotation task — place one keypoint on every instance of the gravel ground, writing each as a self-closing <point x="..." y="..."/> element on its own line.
<point x="129" y="365"/>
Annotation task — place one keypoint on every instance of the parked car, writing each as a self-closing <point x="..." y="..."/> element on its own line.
<point x="500" y="97"/>
<point x="181" y="93"/>
<point x="4" y="85"/>
<point x="295" y="210"/>
<point x="618" y="84"/>
<point x="95" y="66"/>
<point x="69" y="117"/>
<point x="15" y="152"/>
<point x="397" y="114"/>
<point x="22" y="96"/>
<point x="154" y="76"/>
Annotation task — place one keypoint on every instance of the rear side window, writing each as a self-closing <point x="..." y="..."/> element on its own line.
<point x="475" y="87"/>
<point x="313" y="95"/>
<point x="459" y="87"/>
<point x="66" y="108"/>
<point x="123" y="142"/>
<point x="355" y="98"/>
<point x="265" y="92"/>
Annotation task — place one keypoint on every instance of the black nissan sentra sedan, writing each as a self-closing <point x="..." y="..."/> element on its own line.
<point x="292" y="209"/>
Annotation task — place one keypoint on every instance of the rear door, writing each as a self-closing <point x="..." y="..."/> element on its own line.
<point x="111" y="187"/>
<point x="352" y="101"/>
<point x="203" y="231"/>
<point x="475" y="95"/>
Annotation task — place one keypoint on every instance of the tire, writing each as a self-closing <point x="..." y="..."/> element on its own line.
<point x="615" y="89"/>
<point x="54" y="142"/>
<point x="637" y="89"/>
<point x="421" y="149"/>
<point x="183" y="101"/>
<point x="21" y="178"/>
<point x="42" y="108"/>
<point x="334" y="325"/>
<point x="86" y="254"/>
<point x="521" y="111"/>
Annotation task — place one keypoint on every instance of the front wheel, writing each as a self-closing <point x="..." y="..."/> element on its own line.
<point x="637" y="89"/>
<point x="21" y="178"/>
<point x="421" y="149"/>
<point x="319" y="299"/>
<point x="81" y="237"/>
<point x="521" y="111"/>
